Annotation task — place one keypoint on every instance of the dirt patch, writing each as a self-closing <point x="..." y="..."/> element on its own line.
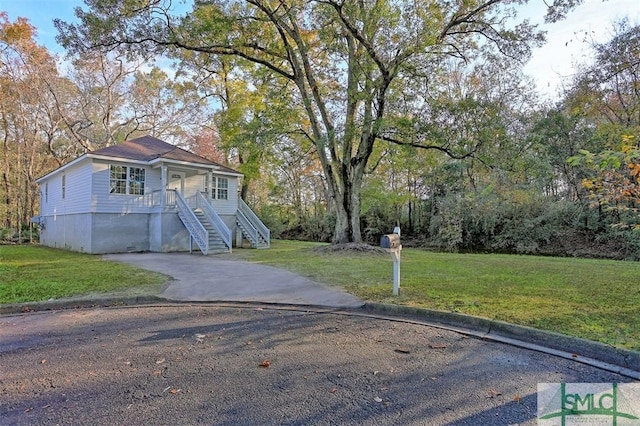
<point x="351" y="248"/>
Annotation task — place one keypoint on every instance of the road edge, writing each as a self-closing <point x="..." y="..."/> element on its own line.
<point x="606" y="357"/>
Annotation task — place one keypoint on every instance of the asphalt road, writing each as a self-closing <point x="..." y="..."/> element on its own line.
<point x="250" y="365"/>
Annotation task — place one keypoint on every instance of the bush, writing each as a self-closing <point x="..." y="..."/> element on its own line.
<point x="525" y="223"/>
<point x="27" y="234"/>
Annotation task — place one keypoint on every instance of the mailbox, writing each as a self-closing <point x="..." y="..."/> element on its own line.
<point x="390" y="241"/>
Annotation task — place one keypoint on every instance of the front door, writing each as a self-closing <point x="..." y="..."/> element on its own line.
<point x="176" y="181"/>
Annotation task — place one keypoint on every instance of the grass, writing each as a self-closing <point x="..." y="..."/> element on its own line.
<point x="593" y="299"/>
<point x="32" y="273"/>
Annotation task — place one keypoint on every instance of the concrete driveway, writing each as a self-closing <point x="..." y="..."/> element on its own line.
<point x="200" y="278"/>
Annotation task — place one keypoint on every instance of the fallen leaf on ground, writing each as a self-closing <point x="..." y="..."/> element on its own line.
<point x="266" y="363"/>
<point x="334" y="390"/>
<point x="437" y="345"/>
<point x="44" y="361"/>
<point x="377" y="399"/>
<point x="517" y="398"/>
<point x="160" y="361"/>
<point x="491" y="393"/>
<point x="175" y="391"/>
<point x="403" y="350"/>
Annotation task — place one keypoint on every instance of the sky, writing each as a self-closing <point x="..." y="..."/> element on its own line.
<point x="550" y="65"/>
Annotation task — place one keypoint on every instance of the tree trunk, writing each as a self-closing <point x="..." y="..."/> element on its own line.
<point x="346" y="197"/>
<point x="5" y="175"/>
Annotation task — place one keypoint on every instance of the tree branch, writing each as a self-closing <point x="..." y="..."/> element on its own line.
<point x="445" y="150"/>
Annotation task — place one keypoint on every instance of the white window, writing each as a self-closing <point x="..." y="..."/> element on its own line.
<point x="126" y="180"/>
<point x="220" y="190"/>
<point x="136" y="181"/>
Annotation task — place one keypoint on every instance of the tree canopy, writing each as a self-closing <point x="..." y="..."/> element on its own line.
<point x="345" y="118"/>
<point x="362" y="71"/>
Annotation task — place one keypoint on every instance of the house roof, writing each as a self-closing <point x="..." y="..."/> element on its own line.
<point x="148" y="149"/>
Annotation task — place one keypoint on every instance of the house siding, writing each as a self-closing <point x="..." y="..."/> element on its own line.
<point x="229" y="206"/>
<point x="193" y="184"/>
<point x="65" y="222"/>
<point x="104" y="202"/>
<point x="77" y="193"/>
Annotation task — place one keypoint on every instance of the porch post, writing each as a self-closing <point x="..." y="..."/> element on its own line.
<point x="163" y="184"/>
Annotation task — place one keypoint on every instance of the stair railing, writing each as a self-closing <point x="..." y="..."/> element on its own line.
<point x="214" y="219"/>
<point x="261" y="231"/>
<point x="197" y="231"/>
<point x="248" y="229"/>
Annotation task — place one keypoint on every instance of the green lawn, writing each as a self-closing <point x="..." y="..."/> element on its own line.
<point x="32" y="273"/>
<point x="594" y="299"/>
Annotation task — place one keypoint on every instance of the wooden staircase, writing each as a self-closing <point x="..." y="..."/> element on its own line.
<point x="216" y="243"/>
<point x="252" y="227"/>
<point x="205" y="227"/>
<point x="209" y="231"/>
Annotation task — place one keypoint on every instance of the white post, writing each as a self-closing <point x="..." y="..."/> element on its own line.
<point x="391" y="243"/>
<point x="163" y="184"/>
<point x="396" y="271"/>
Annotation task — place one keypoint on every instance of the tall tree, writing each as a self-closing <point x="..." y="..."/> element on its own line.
<point x="608" y="89"/>
<point x="344" y="60"/>
<point x="25" y="118"/>
<point x="607" y="95"/>
<point x="164" y="107"/>
<point x="96" y="115"/>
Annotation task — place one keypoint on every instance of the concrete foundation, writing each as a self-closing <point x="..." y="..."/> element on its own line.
<point x="101" y="233"/>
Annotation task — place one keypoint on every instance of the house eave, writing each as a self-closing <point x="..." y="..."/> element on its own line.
<point x="118" y="159"/>
<point x="159" y="162"/>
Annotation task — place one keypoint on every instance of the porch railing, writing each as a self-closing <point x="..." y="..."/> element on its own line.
<point x="169" y="198"/>
<point x="253" y="225"/>
<point x="196" y="229"/>
<point x="214" y="219"/>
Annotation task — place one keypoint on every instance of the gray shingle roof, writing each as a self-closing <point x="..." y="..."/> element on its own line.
<point x="148" y="148"/>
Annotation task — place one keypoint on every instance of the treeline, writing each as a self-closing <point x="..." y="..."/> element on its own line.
<point x="507" y="174"/>
<point x="558" y="179"/>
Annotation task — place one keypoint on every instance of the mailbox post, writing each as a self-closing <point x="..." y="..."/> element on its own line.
<point x="391" y="242"/>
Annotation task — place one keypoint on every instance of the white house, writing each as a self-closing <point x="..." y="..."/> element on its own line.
<point x="145" y="195"/>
